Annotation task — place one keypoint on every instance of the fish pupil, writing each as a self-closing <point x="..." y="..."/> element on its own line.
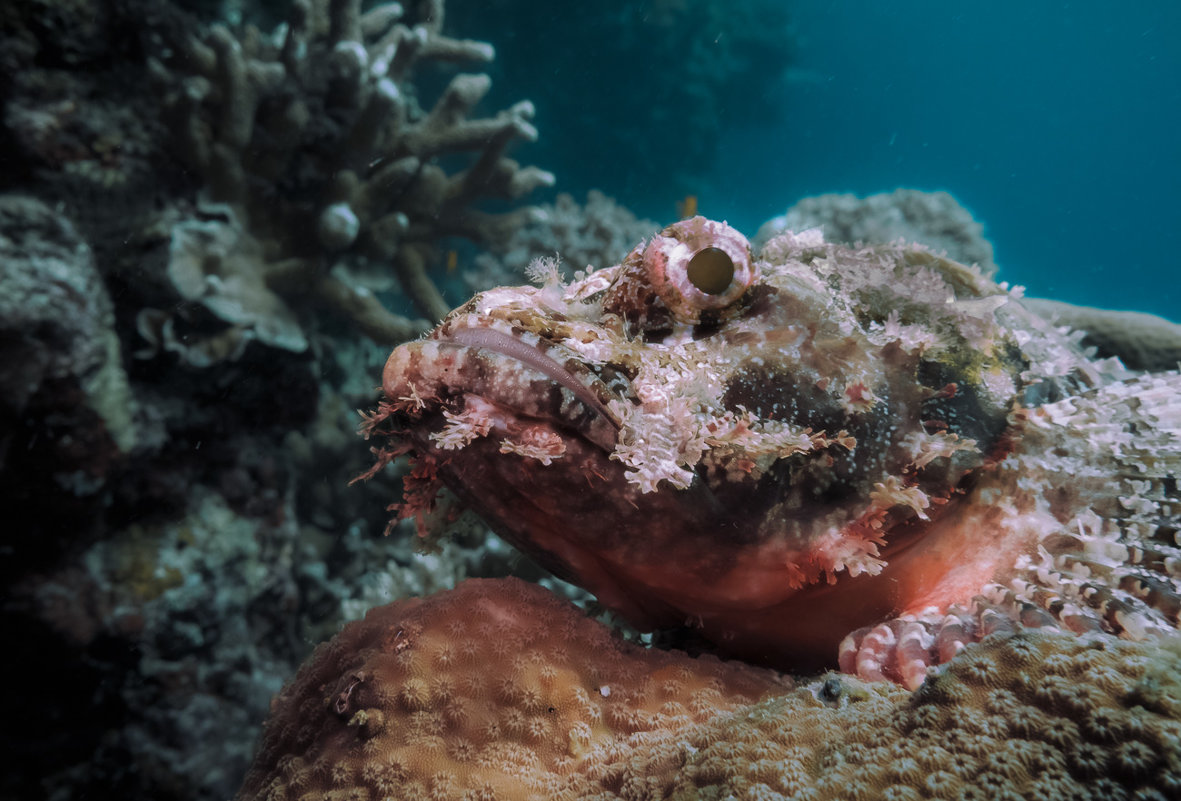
<point x="710" y="270"/>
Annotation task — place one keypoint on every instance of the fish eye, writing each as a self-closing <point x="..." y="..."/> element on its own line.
<point x="692" y="271"/>
<point x="699" y="266"/>
<point x="711" y="270"/>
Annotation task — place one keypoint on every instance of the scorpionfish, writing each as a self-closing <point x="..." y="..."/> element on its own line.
<point x="865" y="457"/>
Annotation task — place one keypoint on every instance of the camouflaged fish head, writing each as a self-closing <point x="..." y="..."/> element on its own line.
<point x="784" y="451"/>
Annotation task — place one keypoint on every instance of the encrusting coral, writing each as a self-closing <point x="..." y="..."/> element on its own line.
<point x="317" y="156"/>
<point x="1019" y="716"/>
<point x="1141" y="341"/>
<point x="497" y="690"/>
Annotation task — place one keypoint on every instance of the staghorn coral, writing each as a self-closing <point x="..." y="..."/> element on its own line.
<point x="314" y="143"/>
<point x="495" y="690"/>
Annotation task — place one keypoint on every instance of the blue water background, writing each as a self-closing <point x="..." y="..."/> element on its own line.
<point x="1057" y="124"/>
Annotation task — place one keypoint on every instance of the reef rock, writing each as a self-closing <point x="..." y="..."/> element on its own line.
<point x="1141" y="341"/>
<point x="934" y="218"/>
<point x="66" y="410"/>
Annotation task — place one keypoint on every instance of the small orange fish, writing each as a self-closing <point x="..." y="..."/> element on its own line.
<point x="687" y="207"/>
<point x="452" y="261"/>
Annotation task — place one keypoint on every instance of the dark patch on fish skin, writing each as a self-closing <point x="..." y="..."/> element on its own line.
<point x="775" y="394"/>
<point x="958" y="405"/>
<point x="812" y="485"/>
<point x="713" y="320"/>
<point x="801" y="489"/>
<point x="655" y="335"/>
<point x="561" y="408"/>
<point x="615" y="379"/>
<point x="763" y="299"/>
<point x="788" y="397"/>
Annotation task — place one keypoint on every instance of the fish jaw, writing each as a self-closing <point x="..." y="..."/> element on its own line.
<point x="933" y="573"/>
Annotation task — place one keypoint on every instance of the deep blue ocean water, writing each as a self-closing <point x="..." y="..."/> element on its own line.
<point x="1056" y="124"/>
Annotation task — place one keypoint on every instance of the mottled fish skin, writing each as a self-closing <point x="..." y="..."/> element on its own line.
<point x="868" y="455"/>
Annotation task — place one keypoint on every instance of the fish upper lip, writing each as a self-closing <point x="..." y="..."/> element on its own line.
<point x="420" y="376"/>
<point x="486" y="335"/>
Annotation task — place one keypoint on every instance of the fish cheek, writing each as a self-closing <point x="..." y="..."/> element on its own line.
<point x="796" y="399"/>
<point x="580" y="519"/>
<point x="809" y="486"/>
<point x="958" y="407"/>
<point x="785" y="397"/>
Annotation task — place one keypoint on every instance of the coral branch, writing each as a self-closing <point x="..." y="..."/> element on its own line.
<point x="316" y="144"/>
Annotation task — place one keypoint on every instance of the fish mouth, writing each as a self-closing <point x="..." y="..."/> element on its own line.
<point x="496" y="377"/>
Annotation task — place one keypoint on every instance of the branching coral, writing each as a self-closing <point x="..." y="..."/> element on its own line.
<point x="497" y="690"/>
<point x="314" y="141"/>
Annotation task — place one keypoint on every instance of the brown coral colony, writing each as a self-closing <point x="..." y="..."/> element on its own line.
<point x="508" y="693"/>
